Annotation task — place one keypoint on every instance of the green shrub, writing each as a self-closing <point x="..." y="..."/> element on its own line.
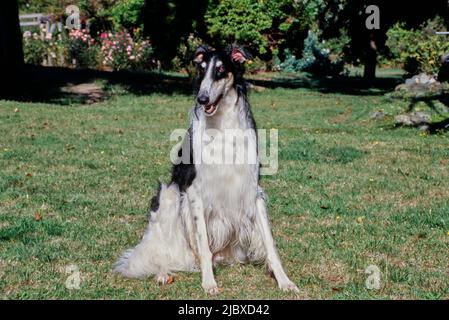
<point x="185" y="53"/>
<point x="34" y="48"/>
<point x="256" y="65"/>
<point x="127" y="14"/>
<point x="315" y="59"/>
<point x="264" y="25"/>
<point x="45" y="48"/>
<point x="239" y="20"/>
<point x="418" y="50"/>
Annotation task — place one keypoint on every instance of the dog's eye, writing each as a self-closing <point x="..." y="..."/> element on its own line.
<point x="220" y="69"/>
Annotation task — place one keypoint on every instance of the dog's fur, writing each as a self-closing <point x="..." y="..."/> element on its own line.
<point x="210" y="213"/>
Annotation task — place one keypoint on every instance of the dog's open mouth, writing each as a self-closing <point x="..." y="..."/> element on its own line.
<point x="210" y="109"/>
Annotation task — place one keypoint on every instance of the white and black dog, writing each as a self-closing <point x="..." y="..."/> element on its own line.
<point x="212" y="212"/>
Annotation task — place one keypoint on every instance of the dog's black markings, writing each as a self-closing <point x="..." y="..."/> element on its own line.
<point x="183" y="174"/>
<point x="154" y="202"/>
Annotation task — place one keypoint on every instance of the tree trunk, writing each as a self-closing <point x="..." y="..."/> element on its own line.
<point x="369" y="72"/>
<point x="11" y="52"/>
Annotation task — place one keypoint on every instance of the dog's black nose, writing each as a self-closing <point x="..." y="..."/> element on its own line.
<point x="203" y="99"/>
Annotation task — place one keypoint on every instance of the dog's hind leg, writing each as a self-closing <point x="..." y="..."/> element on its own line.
<point x="164" y="247"/>
<point x="272" y="257"/>
<point x="193" y="213"/>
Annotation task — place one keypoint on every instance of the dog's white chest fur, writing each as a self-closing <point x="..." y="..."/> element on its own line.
<point x="228" y="183"/>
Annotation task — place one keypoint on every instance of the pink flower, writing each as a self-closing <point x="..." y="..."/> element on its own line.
<point x="103" y="35"/>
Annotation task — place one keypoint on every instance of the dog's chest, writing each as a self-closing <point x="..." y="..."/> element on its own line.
<point x="227" y="174"/>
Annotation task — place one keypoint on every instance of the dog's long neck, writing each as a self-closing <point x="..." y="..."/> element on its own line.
<point x="228" y="112"/>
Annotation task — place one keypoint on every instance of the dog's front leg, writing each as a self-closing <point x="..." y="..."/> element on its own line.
<point x="273" y="260"/>
<point x="200" y="240"/>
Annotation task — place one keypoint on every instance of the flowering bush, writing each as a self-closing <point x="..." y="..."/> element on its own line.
<point x="56" y="49"/>
<point x="44" y="49"/>
<point x="78" y="48"/>
<point x="121" y="51"/>
<point x="83" y="51"/>
<point x="34" y="48"/>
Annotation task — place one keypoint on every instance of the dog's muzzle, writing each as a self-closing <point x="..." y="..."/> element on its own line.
<point x="211" y="108"/>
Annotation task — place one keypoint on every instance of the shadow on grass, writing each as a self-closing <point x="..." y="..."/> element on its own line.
<point x="350" y="85"/>
<point x="435" y="127"/>
<point x="53" y="84"/>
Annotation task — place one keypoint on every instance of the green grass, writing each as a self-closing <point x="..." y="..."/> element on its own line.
<point x="350" y="192"/>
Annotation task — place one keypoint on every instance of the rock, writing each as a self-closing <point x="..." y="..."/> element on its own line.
<point x="402" y="120"/>
<point x="419" y="89"/>
<point x="415" y="119"/>
<point x="419" y="118"/>
<point x="424" y="128"/>
<point x="90" y="92"/>
<point x="378" y="115"/>
<point x="421" y="78"/>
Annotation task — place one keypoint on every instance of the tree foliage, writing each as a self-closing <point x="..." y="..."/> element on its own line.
<point x="365" y="44"/>
<point x="265" y="25"/>
<point x="420" y="49"/>
<point x="128" y="14"/>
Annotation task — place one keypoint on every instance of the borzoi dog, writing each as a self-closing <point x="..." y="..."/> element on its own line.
<point x="212" y="212"/>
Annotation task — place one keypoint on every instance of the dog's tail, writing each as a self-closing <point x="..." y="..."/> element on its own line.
<point x="163" y="248"/>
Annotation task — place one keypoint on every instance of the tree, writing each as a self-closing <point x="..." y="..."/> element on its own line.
<point x="366" y="44"/>
<point x="11" y="52"/>
<point x="168" y="23"/>
<point x="263" y="25"/>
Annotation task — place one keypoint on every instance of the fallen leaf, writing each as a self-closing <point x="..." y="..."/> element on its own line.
<point x="16" y="110"/>
<point x="170" y="279"/>
<point x="38" y="216"/>
<point x="29" y="175"/>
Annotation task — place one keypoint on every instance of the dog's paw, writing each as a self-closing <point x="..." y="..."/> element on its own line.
<point x="288" y="286"/>
<point x="212" y="288"/>
<point x="163" y="279"/>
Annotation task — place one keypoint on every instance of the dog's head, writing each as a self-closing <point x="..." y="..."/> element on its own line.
<point x="217" y="72"/>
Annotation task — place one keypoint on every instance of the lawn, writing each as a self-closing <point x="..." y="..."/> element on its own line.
<point x="350" y="192"/>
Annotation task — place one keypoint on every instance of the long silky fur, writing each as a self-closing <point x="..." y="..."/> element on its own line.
<point x="228" y="193"/>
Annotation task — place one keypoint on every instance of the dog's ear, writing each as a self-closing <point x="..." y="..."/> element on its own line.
<point x="199" y="54"/>
<point x="239" y="54"/>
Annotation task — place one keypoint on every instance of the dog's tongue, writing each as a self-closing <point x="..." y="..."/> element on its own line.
<point x="209" y="108"/>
